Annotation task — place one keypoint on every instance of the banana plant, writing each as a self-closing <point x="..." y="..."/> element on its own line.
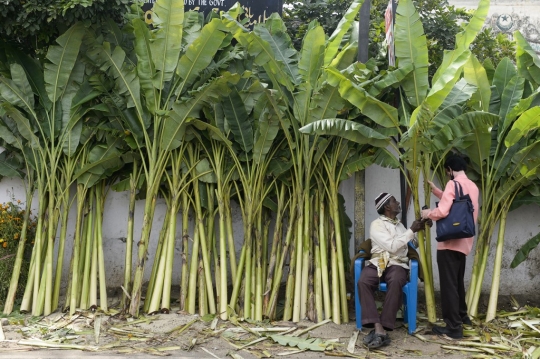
<point x="165" y="86"/>
<point x="50" y="131"/>
<point x="302" y="96"/>
<point x="423" y="111"/>
<point x="506" y="158"/>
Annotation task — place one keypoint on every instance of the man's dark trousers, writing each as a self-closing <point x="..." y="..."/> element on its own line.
<point x="395" y="278"/>
<point x="451" y="272"/>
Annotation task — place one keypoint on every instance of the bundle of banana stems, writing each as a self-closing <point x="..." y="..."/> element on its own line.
<point x="87" y="269"/>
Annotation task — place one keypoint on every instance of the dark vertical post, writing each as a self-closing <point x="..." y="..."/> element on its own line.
<point x="363" y="32"/>
<point x="360" y="176"/>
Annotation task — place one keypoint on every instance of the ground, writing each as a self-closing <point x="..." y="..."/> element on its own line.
<point x="160" y="335"/>
<point x="516" y="334"/>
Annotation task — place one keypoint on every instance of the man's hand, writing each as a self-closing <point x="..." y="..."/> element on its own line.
<point x="424" y="213"/>
<point x="418" y="225"/>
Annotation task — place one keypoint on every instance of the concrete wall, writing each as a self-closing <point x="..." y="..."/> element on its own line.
<point x="508" y="16"/>
<point x="522" y="224"/>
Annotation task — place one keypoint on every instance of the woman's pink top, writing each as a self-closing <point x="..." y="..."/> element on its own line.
<point x="463" y="245"/>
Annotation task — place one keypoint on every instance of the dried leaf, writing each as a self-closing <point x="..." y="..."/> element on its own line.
<point x="352" y="342"/>
<point x="314" y="344"/>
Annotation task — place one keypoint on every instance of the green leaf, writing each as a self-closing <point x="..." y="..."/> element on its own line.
<point x="522" y="106"/>
<point x="349" y="130"/>
<point x="475" y="74"/>
<point x="363" y="160"/>
<point x="465" y="38"/>
<point x="524" y="251"/>
<point x="8" y="136"/>
<point x="200" y="54"/>
<point x="446" y="81"/>
<point x="168" y="20"/>
<point x="314" y="344"/>
<point x="390" y="79"/>
<point x="145" y="65"/>
<point x="8" y="167"/>
<point x="311" y="57"/>
<point x="325" y="103"/>
<point x="510" y="98"/>
<point x="23" y="124"/>
<point x="100" y="158"/>
<point x="463" y="125"/>
<point x="126" y="80"/>
<point x="334" y="41"/>
<point x="528" y="121"/>
<point x="504" y="72"/>
<point x="411" y="48"/>
<point x="238" y="120"/>
<point x="62" y="59"/>
<point x="181" y="112"/>
<point x="527" y="59"/>
<point x="18" y="76"/>
<point x="380" y="112"/>
<point x="460" y="93"/>
<point x="267" y="131"/>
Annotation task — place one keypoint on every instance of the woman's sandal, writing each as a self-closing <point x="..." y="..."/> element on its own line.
<point x="369" y="337"/>
<point x="379" y="340"/>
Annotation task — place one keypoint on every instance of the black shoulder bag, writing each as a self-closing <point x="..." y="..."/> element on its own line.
<point x="460" y="221"/>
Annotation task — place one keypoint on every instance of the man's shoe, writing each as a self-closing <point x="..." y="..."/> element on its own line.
<point x="466" y="320"/>
<point x="452" y="333"/>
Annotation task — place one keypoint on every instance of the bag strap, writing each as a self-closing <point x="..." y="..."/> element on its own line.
<point x="456" y="184"/>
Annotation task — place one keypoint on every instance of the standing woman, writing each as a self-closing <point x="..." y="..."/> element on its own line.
<point x="452" y="254"/>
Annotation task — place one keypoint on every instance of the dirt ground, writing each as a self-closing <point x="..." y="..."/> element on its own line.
<point x="181" y="335"/>
<point x="160" y="335"/>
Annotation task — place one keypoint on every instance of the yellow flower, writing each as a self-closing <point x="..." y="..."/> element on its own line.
<point x="16" y="236"/>
<point x="1" y="240"/>
<point x="4" y="244"/>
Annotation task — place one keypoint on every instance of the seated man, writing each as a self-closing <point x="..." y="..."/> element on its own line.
<point x="388" y="263"/>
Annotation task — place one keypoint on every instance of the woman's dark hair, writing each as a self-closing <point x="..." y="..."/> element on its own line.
<point x="455" y="163"/>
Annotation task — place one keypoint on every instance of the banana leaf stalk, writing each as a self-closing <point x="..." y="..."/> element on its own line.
<point x="155" y="284"/>
<point x="101" y="195"/>
<point x="74" y="276"/>
<point x="323" y="255"/>
<point x="14" y="282"/>
<point x="222" y="259"/>
<point x="318" y="314"/>
<point x="87" y="254"/>
<point x="193" y="273"/>
<point x="185" y="251"/>
<point x="128" y="261"/>
<point x="203" y="298"/>
<point x="289" y="288"/>
<point x="276" y="251"/>
<point x="32" y="286"/>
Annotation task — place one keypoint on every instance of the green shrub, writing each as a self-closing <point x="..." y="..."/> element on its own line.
<point x="11" y="223"/>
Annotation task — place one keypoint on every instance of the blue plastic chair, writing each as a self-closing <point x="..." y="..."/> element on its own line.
<point x="410" y="294"/>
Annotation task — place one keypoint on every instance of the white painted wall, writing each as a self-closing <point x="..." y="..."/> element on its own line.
<point x="522" y="224"/>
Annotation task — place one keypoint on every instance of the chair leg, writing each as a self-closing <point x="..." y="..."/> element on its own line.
<point x="412" y="302"/>
<point x="357" y="307"/>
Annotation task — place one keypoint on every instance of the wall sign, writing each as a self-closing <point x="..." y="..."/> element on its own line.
<point x="257" y="10"/>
